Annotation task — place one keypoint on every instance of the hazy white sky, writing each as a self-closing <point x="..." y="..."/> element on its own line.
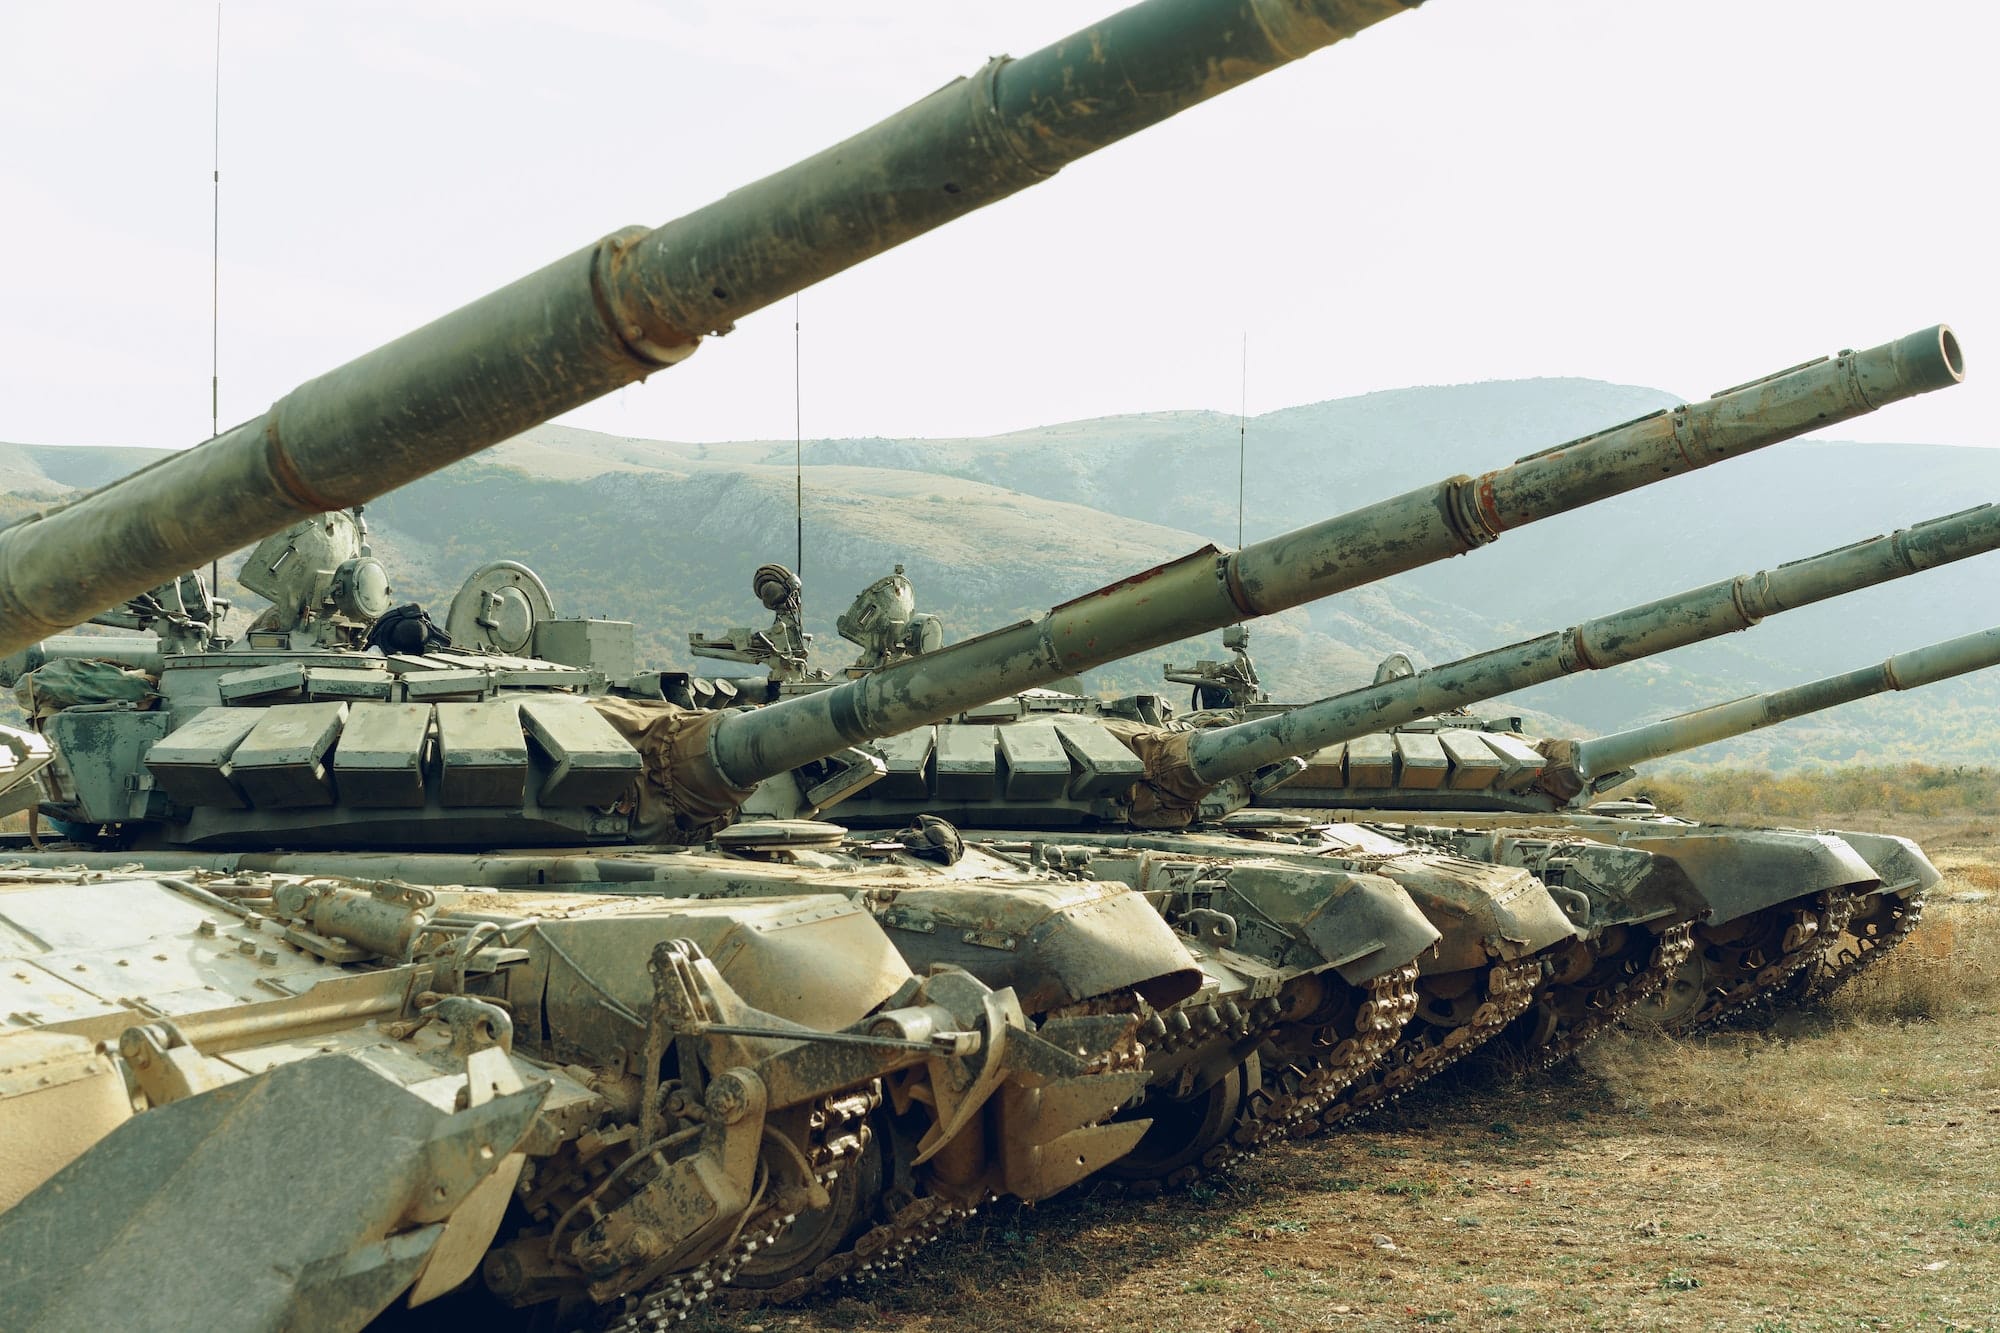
<point x="1683" y="194"/>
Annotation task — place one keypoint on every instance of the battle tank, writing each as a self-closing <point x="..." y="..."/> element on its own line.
<point x="1047" y="760"/>
<point x="1555" y="791"/>
<point x="1814" y="905"/>
<point x="590" y="1098"/>
<point x="668" y="1191"/>
<point x="298" y="739"/>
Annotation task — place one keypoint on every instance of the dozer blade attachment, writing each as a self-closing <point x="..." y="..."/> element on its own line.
<point x="305" y="1198"/>
<point x="1051" y="1138"/>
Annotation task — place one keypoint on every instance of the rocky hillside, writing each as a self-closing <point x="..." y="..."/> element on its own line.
<point x="991" y="530"/>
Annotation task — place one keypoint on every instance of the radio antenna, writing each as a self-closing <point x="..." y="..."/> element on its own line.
<point x="215" y="276"/>
<point x="215" y="249"/>
<point x="1242" y="433"/>
<point x="798" y="448"/>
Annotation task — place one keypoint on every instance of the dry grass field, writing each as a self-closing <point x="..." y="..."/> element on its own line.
<point x="1836" y="1168"/>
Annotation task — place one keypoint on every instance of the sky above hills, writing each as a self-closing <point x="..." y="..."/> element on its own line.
<point x="1684" y="196"/>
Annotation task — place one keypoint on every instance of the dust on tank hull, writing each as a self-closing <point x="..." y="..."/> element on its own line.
<point x="586" y="1098"/>
<point x="286" y="739"/>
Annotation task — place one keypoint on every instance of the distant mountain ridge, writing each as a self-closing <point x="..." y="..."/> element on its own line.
<point x="666" y="534"/>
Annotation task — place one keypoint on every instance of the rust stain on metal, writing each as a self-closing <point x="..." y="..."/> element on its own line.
<point x="285" y="471"/>
<point x="1489" y="501"/>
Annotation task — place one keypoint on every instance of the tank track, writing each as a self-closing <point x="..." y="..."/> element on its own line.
<point x="1670" y="951"/>
<point x="840" y="1130"/>
<point x="1757" y="980"/>
<point x="1294" y="1092"/>
<point x="874" y="1253"/>
<point x="1292" y="1096"/>
<point x="1848" y="956"/>
<point x="1509" y="989"/>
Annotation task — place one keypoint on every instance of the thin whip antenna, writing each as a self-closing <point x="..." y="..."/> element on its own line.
<point x="1242" y="434"/>
<point x="215" y="250"/>
<point x="215" y="279"/>
<point x="798" y="448"/>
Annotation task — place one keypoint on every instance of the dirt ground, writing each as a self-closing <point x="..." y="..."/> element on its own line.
<point x="1837" y="1168"/>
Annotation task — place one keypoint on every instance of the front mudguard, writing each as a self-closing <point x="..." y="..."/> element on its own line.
<point x="1899" y="863"/>
<point x="1481" y="911"/>
<point x="1054" y="944"/>
<point x="1740" y="871"/>
<point x="1619" y="886"/>
<point x="1363" y="926"/>
<point x="818" y="960"/>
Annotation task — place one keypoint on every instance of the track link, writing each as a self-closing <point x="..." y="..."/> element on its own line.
<point x="1609" y="1006"/>
<point x="1426" y="1049"/>
<point x="1877" y="926"/>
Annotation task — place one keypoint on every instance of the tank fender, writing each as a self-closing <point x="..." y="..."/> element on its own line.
<point x="1055" y="944"/>
<point x="1740" y="871"/>
<point x="818" y="960"/>
<point x="1361" y="925"/>
<point x="1901" y="864"/>
<point x="1481" y="911"/>
<point x="1620" y="885"/>
<point x="58" y="1096"/>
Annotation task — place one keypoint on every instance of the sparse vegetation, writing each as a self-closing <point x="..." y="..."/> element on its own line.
<point x="1873" y="792"/>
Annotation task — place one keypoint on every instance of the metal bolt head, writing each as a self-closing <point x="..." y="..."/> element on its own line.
<point x="729" y="1098"/>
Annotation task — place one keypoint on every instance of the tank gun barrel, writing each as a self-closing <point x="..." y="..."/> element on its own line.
<point x="638" y="300"/>
<point x="1211" y="588"/>
<point x="1643" y="631"/>
<point x="1618" y="750"/>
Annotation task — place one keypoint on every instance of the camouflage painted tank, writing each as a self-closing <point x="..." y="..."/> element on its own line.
<point x="1045" y="772"/>
<point x="647" y="1129"/>
<point x="1555" y="788"/>
<point x="588" y="1098"/>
